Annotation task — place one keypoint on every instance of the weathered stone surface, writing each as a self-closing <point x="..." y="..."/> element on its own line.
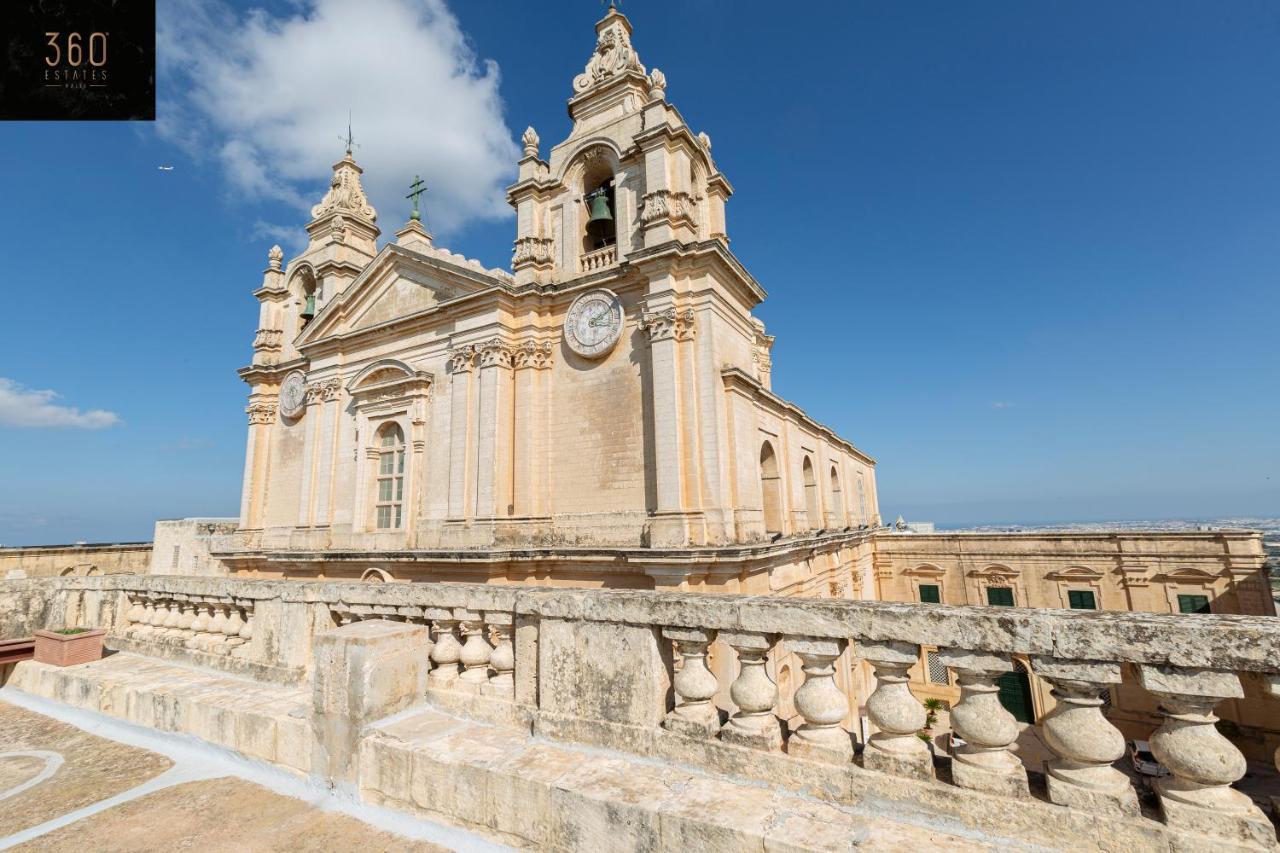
<point x="610" y="672"/>
<point x="363" y="672"/>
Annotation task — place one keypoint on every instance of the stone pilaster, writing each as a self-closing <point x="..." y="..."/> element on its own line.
<point x="494" y="430"/>
<point x="461" y="364"/>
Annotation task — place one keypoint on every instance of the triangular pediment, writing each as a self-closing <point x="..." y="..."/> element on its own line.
<point x="397" y="284"/>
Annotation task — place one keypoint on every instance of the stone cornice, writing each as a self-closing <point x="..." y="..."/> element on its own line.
<point x="712" y="250"/>
<point x="255" y="373"/>
<point x="735" y="378"/>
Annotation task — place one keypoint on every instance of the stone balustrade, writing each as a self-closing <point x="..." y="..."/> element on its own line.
<point x="598" y="259"/>
<point x="694" y="678"/>
<point x="214" y="624"/>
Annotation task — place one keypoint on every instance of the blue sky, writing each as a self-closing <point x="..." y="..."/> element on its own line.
<point x="1025" y="254"/>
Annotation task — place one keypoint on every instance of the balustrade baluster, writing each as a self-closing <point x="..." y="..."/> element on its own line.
<point x="503" y="660"/>
<point x="695" y="685"/>
<point x="821" y="703"/>
<point x="217" y="629"/>
<point x="246" y="630"/>
<point x="475" y="653"/>
<point x="446" y="651"/>
<point x="754" y="692"/>
<point x="235" y="622"/>
<point x="186" y="615"/>
<point x="1085" y="742"/>
<point x="898" y="715"/>
<point x="134" y="616"/>
<point x="171" y="615"/>
<point x="985" y="762"/>
<point x="1271" y="683"/>
<point x="1198" y="796"/>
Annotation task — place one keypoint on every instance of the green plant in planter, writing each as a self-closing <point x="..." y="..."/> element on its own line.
<point x="71" y="630"/>
<point x="932" y="706"/>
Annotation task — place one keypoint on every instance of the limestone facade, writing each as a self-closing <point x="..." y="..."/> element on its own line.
<point x="405" y="399"/>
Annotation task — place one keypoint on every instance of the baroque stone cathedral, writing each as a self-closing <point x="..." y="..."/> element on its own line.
<point x="602" y="414"/>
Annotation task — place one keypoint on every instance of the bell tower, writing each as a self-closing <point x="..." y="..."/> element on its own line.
<point x="630" y="176"/>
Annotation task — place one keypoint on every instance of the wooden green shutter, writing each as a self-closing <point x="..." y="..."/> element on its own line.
<point x="930" y="594"/>
<point x="1193" y="604"/>
<point x="1081" y="599"/>
<point x="1000" y="596"/>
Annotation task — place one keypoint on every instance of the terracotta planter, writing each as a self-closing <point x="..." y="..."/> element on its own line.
<point x="69" y="649"/>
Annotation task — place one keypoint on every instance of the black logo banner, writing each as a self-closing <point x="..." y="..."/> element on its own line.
<point x="78" y="60"/>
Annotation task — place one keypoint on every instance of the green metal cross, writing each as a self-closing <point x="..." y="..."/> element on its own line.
<point x="416" y="189"/>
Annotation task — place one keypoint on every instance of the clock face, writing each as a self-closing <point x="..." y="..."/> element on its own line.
<point x="594" y="323"/>
<point x="293" y="394"/>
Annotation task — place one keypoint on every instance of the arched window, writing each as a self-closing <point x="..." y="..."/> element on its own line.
<point x="813" y="507"/>
<point x="771" y="489"/>
<point x="390" y="503"/>
<point x="862" y="503"/>
<point x="837" y="497"/>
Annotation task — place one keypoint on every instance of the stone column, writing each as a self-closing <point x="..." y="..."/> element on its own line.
<point x="754" y="693"/>
<point x="695" y="685"/>
<point x="1198" y="796"/>
<point x="821" y="703"/>
<point x="985" y="762"/>
<point x="898" y="715"/>
<point x="1084" y="741"/>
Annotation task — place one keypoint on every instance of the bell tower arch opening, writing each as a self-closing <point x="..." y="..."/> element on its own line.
<point x="600" y="227"/>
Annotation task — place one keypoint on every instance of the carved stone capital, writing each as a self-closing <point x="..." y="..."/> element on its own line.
<point x="261" y="413"/>
<point x="494" y="352"/>
<point x="462" y="359"/>
<point x="533" y="354"/>
<point x="669" y="324"/>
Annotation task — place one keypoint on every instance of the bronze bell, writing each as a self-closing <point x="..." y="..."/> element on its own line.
<point x="309" y="308"/>
<point x="601" y="217"/>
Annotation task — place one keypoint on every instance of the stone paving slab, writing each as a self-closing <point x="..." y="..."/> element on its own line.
<point x="531" y="792"/>
<point x="267" y="722"/>
<point x="93" y="769"/>
<point x="227" y="815"/>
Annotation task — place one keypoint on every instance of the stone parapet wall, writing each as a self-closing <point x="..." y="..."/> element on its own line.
<point x="39" y="561"/>
<point x="632" y="671"/>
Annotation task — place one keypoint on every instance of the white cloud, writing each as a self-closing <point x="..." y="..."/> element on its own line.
<point x="266" y="97"/>
<point x="27" y="407"/>
<point x="999" y="404"/>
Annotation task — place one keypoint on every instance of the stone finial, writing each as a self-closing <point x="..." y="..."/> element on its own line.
<point x="613" y="57"/>
<point x="346" y="195"/>
<point x="274" y="258"/>
<point x="530" y="140"/>
<point x="657" y="85"/>
<point x="705" y="139"/>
